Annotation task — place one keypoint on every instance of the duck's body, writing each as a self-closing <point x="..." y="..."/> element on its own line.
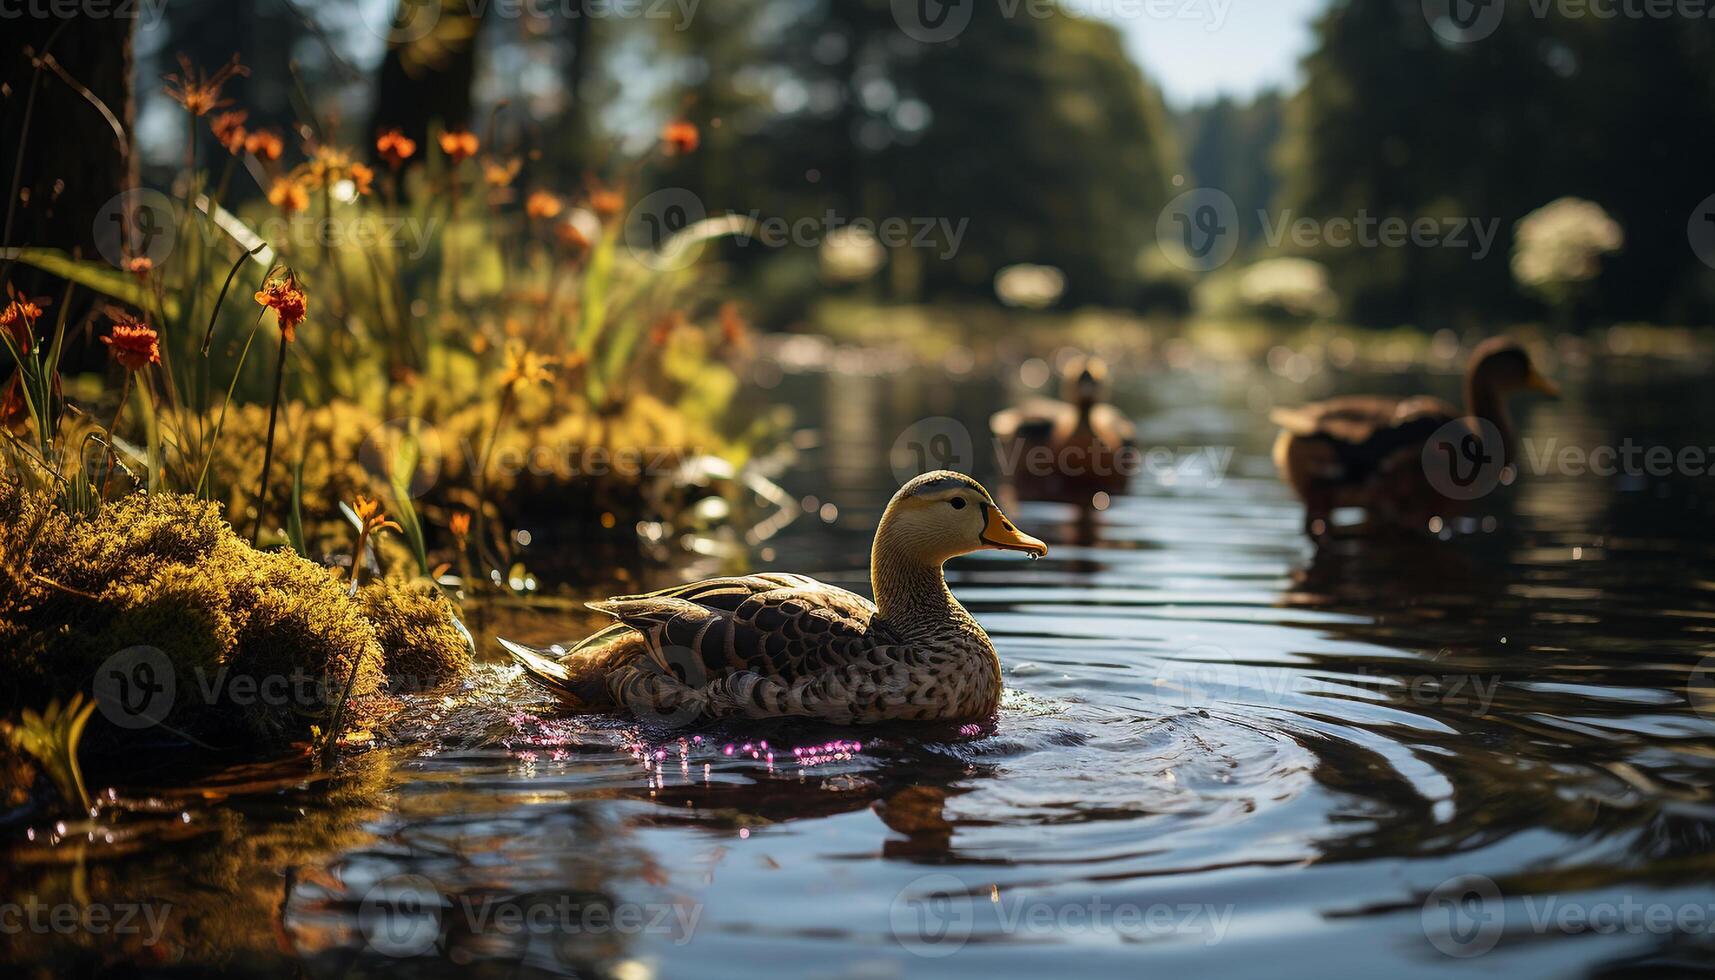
<point x="780" y="645"/>
<point x="1070" y="449"/>
<point x="1368" y="451"/>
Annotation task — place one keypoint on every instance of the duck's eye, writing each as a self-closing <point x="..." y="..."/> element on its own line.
<point x="958" y="503"/>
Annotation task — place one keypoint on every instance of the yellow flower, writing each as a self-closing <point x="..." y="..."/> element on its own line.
<point x="288" y="195"/>
<point x="200" y="93"/>
<point x="372" y="517"/>
<point x="500" y="174"/>
<point x="525" y="368"/>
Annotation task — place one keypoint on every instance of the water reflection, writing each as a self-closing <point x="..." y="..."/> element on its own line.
<point x="1274" y="749"/>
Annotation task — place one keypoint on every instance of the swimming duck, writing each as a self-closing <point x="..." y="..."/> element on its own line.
<point x="780" y="645"/>
<point x="1066" y="450"/>
<point x="1369" y="451"/>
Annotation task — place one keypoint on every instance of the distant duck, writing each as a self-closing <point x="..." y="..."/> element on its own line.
<point x="1375" y="452"/>
<point x="1071" y="449"/>
<point x="778" y="645"/>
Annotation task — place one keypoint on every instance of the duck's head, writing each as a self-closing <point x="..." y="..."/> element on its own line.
<point x="1501" y="366"/>
<point x="1084" y="381"/>
<point x="943" y="515"/>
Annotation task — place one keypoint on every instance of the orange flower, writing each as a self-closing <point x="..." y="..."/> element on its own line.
<point x="20" y="318"/>
<point x="264" y="144"/>
<point x="605" y="201"/>
<point x="499" y="174"/>
<point x="288" y="302"/>
<point x="134" y="344"/>
<point x="460" y="525"/>
<point x="140" y="266"/>
<point x="734" y="330"/>
<point x="362" y="176"/>
<point x="665" y="327"/>
<point x="229" y="130"/>
<point x="371" y="516"/>
<point x="680" y="138"/>
<point x="459" y="144"/>
<point x="288" y="195"/>
<point x="395" y="147"/>
<point x="200" y="93"/>
<point x="572" y="237"/>
<point x="543" y="205"/>
<point x="525" y="368"/>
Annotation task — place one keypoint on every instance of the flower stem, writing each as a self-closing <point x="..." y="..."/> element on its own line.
<point x="118" y="413"/>
<point x="268" y="447"/>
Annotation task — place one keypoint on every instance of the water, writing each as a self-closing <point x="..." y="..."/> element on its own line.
<point x="1221" y="750"/>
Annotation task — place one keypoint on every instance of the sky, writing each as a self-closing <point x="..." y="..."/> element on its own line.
<point x="1198" y="49"/>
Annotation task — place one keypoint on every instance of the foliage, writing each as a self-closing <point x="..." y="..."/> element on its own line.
<point x="51" y="737"/>
<point x="164" y="571"/>
<point x="1559" y="247"/>
<point x="1395" y="122"/>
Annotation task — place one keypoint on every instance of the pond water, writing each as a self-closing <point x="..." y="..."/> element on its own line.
<point x="1221" y="749"/>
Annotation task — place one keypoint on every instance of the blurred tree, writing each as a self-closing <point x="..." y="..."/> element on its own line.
<point x="1393" y="121"/>
<point x="426" y="74"/>
<point x="1036" y="137"/>
<point x="1231" y="146"/>
<point x="70" y="161"/>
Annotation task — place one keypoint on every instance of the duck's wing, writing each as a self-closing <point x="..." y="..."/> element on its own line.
<point x="1113" y="426"/>
<point x="781" y="627"/>
<point x="1037" y="418"/>
<point x="1364" y="430"/>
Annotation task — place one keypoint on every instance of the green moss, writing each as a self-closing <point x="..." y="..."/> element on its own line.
<point x="417" y="626"/>
<point x="258" y="642"/>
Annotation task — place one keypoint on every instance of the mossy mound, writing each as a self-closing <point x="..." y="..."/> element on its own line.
<point x="156" y="593"/>
<point x="415" y="623"/>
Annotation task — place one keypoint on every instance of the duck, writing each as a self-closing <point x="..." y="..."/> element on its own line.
<point x="781" y="645"/>
<point x="1069" y="449"/>
<point x="1376" y="452"/>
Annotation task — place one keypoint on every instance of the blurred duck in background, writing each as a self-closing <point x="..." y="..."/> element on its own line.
<point x="1071" y="449"/>
<point x="1407" y="461"/>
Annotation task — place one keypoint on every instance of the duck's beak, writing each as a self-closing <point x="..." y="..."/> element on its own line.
<point x="1000" y="533"/>
<point x="1537" y="383"/>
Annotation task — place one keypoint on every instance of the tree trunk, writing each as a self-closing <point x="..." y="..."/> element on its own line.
<point x="427" y="80"/>
<point x="73" y="164"/>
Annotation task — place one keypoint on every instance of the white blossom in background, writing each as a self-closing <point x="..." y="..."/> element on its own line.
<point x="1296" y="286"/>
<point x="851" y="254"/>
<point x="1561" y="244"/>
<point x="1032" y="287"/>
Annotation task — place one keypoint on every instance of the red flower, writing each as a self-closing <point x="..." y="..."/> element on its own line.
<point x="134" y="344"/>
<point x="459" y="145"/>
<point x="395" y="147"/>
<point x="288" y="302"/>
<point x="681" y="138"/>
<point x="20" y="318"/>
